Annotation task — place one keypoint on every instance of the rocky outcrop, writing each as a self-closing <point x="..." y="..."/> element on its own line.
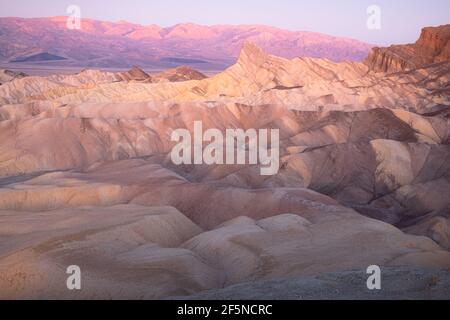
<point x="433" y="46"/>
<point x="135" y="74"/>
<point x="8" y="75"/>
<point x="436" y="228"/>
<point x="434" y="42"/>
<point x="179" y="74"/>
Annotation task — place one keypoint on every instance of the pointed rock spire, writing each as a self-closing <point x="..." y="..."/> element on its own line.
<point x="252" y="54"/>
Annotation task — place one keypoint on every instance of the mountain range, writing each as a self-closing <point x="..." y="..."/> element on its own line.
<point x="123" y="44"/>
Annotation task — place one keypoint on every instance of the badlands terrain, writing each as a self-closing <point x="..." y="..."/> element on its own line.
<point x="86" y="179"/>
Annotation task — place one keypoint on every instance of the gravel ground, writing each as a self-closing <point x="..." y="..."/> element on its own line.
<point x="397" y="284"/>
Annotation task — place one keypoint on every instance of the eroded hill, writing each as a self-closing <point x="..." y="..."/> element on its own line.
<point x="86" y="177"/>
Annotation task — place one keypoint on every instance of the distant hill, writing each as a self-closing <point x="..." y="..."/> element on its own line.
<point x="45" y="56"/>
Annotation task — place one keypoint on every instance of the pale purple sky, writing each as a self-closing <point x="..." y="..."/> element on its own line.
<point x="401" y="19"/>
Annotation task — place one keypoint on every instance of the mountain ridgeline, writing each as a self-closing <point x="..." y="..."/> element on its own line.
<point x="123" y="44"/>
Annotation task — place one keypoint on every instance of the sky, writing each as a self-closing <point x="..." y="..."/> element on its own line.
<point x="401" y="20"/>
